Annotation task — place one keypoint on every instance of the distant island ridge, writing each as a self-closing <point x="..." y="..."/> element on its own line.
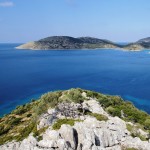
<point x="68" y="43"/>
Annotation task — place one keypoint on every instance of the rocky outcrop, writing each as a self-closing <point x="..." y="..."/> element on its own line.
<point x="66" y="42"/>
<point x="86" y="134"/>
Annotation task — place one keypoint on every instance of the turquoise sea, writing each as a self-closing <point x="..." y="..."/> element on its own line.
<point x="26" y="74"/>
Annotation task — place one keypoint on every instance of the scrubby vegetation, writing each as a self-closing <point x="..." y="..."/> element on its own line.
<point x="129" y="149"/>
<point x="24" y="119"/>
<point x="134" y="132"/>
<point x="99" y="117"/>
<point x="115" y="104"/>
<point x="60" y="122"/>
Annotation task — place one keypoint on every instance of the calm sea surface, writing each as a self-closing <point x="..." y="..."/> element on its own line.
<point x="26" y="74"/>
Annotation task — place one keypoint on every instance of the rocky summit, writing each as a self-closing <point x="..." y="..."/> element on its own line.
<point x="75" y="119"/>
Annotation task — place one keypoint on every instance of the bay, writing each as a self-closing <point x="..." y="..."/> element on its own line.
<point x="26" y="74"/>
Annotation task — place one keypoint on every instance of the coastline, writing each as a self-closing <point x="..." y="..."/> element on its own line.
<point x="122" y="49"/>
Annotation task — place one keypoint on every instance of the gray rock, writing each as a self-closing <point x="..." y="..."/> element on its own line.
<point x="68" y="134"/>
<point x="90" y="134"/>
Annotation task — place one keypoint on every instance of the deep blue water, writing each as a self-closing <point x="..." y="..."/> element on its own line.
<point x="26" y="74"/>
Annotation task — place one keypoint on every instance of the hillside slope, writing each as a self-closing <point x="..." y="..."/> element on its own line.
<point x="139" y="45"/>
<point x="75" y="119"/>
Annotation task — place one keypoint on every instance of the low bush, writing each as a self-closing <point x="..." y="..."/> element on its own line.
<point x="99" y="117"/>
<point x="39" y="138"/>
<point x="75" y="95"/>
<point x="15" y="121"/>
<point x="60" y="122"/>
<point x="129" y="149"/>
<point x="37" y="133"/>
<point x="134" y="132"/>
<point x="4" y="129"/>
<point x="20" y="110"/>
<point x="29" y="115"/>
<point x="114" y="111"/>
<point x="147" y="124"/>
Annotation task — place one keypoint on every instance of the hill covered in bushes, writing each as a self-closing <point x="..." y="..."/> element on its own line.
<point x="69" y="107"/>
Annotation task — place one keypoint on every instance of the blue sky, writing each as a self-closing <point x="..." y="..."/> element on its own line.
<point x="116" y="20"/>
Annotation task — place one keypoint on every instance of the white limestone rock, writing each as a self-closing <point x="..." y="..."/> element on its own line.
<point x="90" y="134"/>
<point x="68" y="134"/>
<point x="94" y="107"/>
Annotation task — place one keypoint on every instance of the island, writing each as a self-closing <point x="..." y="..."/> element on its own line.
<point x="75" y="119"/>
<point x="66" y="42"/>
<point x="71" y="43"/>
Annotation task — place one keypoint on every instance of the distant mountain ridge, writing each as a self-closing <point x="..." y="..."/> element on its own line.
<point x="67" y="42"/>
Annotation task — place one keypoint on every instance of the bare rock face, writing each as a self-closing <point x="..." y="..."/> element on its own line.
<point x="68" y="134"/>
<point x="88" y="134"/>
<point x="93" y="106"/>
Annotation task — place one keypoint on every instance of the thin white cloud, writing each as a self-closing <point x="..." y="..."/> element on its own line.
<point x="6" y="4"/>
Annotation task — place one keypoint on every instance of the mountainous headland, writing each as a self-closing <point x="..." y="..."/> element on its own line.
<point x="139" y="45"/>
<point x="75" y="119"/>
<point x="66" y="42"/>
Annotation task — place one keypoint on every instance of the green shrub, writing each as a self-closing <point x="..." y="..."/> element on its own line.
<point x="24" y="133"/>
<point x="39" y="138"/>
<point x="75" y="95"/>
<point x="114" y="111"/>
<point x="147" y="124"/>
<point x="5" y="139"/>
<point x="33" y="100"/>
<point x="135" y="133"/>
<point x="60" y="122"/>
<point x="129" y="127"/>
<point x="92" y="94"/>
<point x="20" y="110"/>
<point x="129" y="149"/>
<point x="46" y="101"/>
<point x="4" y="130"/>
<point x="99" y="117"/>
<point x="37" y="133"/>
<point x="15" y="121"/>
<point x="29" y="115"/>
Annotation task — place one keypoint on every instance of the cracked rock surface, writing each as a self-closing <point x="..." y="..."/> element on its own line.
<point x="88" y="134"/>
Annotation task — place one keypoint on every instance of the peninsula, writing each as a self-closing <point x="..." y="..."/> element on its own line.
<point x="75" y="119"/>
<point x="139" y="45"/>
